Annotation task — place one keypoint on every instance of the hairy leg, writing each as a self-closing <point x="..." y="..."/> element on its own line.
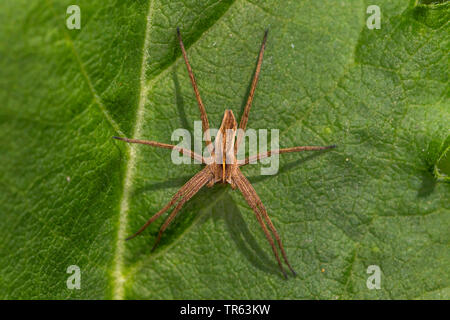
<point x="203" y="115"/>
<point x="200" y="181"/>
<point x="183" y="151"/>
<point x="244" y="119"/>
<point x="255" y="198"/>
<point x="245" y="188"/>
<point x="186" y="189"/>
<point x="280" y="151"/>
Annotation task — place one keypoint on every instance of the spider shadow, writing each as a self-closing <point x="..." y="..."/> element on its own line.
<point x="224" y="209"/>
<point x="180" y="102"/>
<point x="227" y="210"/>
<point x="166" y="184"/>
<point x="185" y="218"/>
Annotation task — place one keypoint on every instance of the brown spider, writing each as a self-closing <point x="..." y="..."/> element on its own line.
<point x="219" y="171"/>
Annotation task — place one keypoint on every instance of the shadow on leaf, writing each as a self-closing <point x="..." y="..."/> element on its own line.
<point x="428" y="185"/>
<point x="227" y="210"/>
<point x="180" y="102"/>
<point x="166" y="184"/>
<point x="289" y="166"/>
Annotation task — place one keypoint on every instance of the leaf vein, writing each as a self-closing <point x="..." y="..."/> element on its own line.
<point x="118" y="279"/>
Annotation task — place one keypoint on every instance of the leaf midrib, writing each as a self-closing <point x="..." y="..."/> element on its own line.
<point x="118" y="279"/>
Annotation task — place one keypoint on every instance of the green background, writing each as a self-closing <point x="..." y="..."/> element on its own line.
<point x="70" y="194"/>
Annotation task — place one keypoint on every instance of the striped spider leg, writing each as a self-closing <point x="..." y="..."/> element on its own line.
<point x="222" y="166"/>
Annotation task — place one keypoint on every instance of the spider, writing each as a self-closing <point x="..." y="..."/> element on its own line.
<point x="218" y="171"/>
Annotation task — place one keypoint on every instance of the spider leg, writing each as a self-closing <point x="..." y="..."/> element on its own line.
<point x="263" y="155"/>
<point x="203" y="115"/>
<point x="263" y="212"/>
<point x="199" y="183"/>
<point x="246" y="189"/>
<point x="185" y="189"/>
<point x="183" y="151"/>
<point x="244" y="119"/>
<point x="274" y="231"/>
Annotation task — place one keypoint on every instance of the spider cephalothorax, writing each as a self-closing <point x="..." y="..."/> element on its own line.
<point x="223" y="162"/>
<point x="222" y="165"/>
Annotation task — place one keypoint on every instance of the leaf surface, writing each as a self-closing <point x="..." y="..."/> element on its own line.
<point x="70" y="194"/>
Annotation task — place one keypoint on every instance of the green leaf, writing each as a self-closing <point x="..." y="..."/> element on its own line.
<point x="70" y="194"/>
